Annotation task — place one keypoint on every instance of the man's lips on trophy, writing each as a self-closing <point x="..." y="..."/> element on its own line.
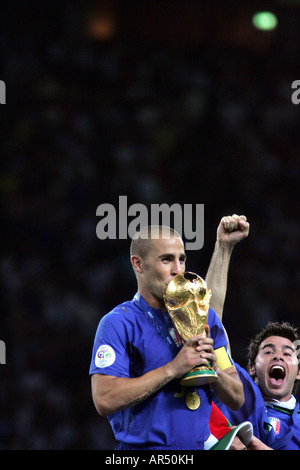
<point x="277" y="374"/>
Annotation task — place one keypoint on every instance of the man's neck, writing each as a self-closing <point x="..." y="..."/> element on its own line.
<point x="152" y="301"/>
<point x="288" y="404"/>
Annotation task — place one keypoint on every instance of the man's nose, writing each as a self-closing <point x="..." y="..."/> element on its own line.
<point x="177" y="267"/>
<point x="278" y="355"/>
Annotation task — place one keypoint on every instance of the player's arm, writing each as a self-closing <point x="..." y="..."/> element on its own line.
<point x="231" y="230"/>
<point x="228" y="388"/>
<point x="111" y="394"/>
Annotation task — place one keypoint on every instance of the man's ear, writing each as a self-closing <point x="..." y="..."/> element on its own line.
<point x="137" y="263"/>
<point x="252" y="371"/>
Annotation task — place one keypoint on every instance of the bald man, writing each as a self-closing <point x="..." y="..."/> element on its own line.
<point x="138" y="360"/>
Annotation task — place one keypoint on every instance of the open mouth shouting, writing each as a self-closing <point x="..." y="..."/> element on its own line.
<point x="276" y="368"/>
<point x="277" y="374"/>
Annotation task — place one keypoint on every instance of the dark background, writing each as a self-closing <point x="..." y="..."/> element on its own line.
<point x="170" y="101"/>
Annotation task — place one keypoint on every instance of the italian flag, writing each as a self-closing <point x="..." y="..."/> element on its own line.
<point x="223" y="433"/>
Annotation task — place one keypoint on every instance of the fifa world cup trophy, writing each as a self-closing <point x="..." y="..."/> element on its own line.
<point x="187" y="301"/>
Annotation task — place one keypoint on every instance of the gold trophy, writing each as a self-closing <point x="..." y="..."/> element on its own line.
<point x="187" y="301"/>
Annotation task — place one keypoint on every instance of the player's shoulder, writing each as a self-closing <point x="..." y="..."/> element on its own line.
<point x="121" y="312"/>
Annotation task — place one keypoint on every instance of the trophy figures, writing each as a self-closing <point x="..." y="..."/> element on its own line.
<point x="187" y="301"/>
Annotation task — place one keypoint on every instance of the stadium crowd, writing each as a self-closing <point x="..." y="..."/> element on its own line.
<point x="88" y="121"/>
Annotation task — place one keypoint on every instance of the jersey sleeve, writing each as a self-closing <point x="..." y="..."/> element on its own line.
<point x="110" y="355"/>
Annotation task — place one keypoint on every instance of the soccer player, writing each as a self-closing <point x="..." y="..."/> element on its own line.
<point x="137" y="361"/>
<point x="273" y="367"/>
<point x="269" y="387"/>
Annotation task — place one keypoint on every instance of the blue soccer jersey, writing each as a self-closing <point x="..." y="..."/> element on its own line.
<point x="274" y="424"/>
<point x="130" y="341"/>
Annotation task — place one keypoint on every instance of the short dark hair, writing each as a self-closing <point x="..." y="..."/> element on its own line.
<point x="283" y="329"/>
<point x="142" y="240"/>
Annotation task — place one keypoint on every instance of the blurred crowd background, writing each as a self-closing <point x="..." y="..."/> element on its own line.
<point x="164" y="102"/>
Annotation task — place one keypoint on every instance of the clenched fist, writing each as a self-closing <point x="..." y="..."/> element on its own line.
<point x="232" y="229"/>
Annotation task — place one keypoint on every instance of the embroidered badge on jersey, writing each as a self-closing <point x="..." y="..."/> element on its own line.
<point x="105" y="356"/>
<point x="275" y="423"/>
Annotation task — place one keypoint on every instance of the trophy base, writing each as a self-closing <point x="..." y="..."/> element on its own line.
<point x="198" y="377"/>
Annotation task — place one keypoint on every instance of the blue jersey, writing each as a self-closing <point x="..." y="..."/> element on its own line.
<point x="132" y="340"/>
<point x="275" y="425"/>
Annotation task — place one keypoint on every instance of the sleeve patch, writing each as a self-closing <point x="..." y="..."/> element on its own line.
<point x="105" y="356"/>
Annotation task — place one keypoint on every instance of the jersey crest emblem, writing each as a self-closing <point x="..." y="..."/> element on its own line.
<point x="275" y="423"/>
<point x="105" y="356"/>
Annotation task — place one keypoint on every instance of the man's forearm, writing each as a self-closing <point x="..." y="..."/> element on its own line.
<point x="229" y="389"/>
<point x="111" y="394"/>
<point x="217" y="274"/>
